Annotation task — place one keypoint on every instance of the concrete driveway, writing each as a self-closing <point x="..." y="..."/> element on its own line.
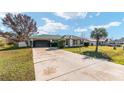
<point x="59" y="65"/>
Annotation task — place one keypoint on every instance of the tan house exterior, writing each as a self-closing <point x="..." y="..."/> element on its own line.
<point x="48" y="40"/>
<point x="72" y="41"/>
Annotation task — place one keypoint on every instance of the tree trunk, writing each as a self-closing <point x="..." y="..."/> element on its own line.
<point x="97" y="44"/>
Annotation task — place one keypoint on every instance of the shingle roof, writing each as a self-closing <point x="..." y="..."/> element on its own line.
<point x="119" y="40"/>
<point x="122" y="40"/>
<point x="94" y="40"/>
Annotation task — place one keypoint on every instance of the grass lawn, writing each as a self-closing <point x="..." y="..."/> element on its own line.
<point x="16" y="64"/>
<point x="106" y="52"/>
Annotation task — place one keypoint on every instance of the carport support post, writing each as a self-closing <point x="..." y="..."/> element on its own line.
<point x="51" y="42"/>
<point x="32" y="43"/>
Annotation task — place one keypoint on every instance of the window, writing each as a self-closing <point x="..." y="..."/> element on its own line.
<point x="91" y="44"/>
<point x="67" y="42"/>
<point x="74" y="42"/>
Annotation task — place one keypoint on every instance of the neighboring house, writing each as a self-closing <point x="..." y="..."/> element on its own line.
<point x="117" y="42"/>
<point x="92" y="42"/>
<point x="4" y="40"/>
<point x="49" y="40"/>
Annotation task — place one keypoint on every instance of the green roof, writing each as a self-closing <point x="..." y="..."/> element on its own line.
<point x="70" y="37"/>
<point x="55" y="37"/>
<point x="44" y="36"/>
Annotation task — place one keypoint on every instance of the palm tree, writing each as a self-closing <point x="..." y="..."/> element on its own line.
<point x="97" y="34"/>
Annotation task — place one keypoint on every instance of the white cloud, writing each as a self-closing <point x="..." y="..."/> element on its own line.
<point x="41" y="32"/>
<point x="2" y="28"/>
<point x="123" y="19"/>
<point x="2" y="14"/>
<point x="90" y="16"/>
<point x="51" y="26"/>
<point x="71" y="15"/>
<point x="111" y="24"/>
<point x="80" y="30"/>
<point x="47" y="20"/>
<point x="97" y="14"/>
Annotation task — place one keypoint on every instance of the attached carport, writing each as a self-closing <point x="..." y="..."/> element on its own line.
<point x="41" y="43"/>
<point x="44" y="40"/>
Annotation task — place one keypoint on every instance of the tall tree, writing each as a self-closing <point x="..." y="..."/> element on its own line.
<point x="97" y="34"/>
<point x="22" y="27"/>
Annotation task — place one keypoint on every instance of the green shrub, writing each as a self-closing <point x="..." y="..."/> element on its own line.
<point x="10" y="43"/>
<point x="114" y="48"/>
<point x="86" y="44"/>
<point x="1" y="45"/>
<point x="61" y="43"/>
<point x="54" y="45"/>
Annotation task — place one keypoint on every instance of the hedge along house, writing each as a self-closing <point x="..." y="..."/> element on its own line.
<point x="51" y="40"/>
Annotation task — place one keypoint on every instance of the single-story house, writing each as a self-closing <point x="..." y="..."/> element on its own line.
<point x="49" y="40"/>
<point x="117" y="42"/>
<point x="5" y="40"/>
<point x="92" y="42"/>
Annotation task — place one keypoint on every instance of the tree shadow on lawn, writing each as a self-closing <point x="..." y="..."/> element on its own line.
<point x="12" y="48"/>
<point x="98" y="55"/>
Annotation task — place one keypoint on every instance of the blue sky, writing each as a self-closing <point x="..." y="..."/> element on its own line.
<point x="77" y="23"/>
